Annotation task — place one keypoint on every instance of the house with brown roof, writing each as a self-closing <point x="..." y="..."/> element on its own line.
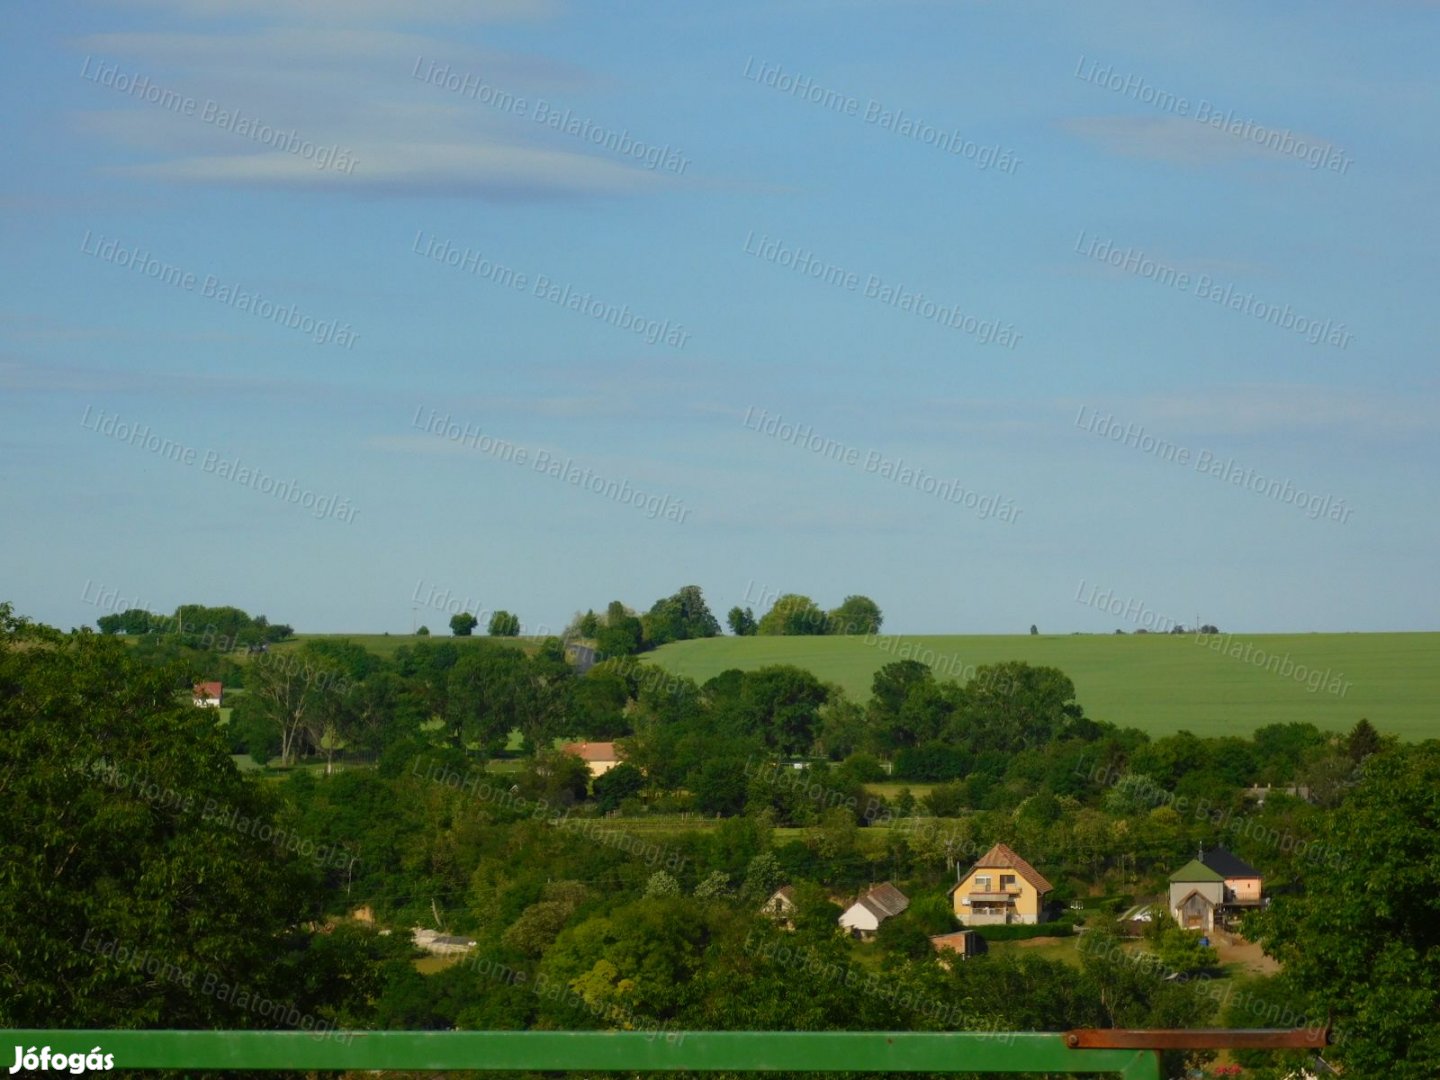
<point x="209" y="695"/>
<point x="1001" y="888"/>
<point x="601" y="757"/>
<point x="870" y="909"/>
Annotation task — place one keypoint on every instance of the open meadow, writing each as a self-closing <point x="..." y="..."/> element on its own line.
<point x="1159" y="683"/>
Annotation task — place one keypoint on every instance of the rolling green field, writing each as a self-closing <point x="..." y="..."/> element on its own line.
<point x="1159" y="683"/>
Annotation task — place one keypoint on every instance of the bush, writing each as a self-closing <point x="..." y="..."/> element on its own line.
<point x="863" y="768"/>
<point x="946" y="800"/>
<point x="931" y="761"/>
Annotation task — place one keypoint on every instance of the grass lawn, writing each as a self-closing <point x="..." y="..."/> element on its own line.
<point x="888" y="789"/>
<point x="429" y="965"/>
<point x="1159" y="683"/>
<point x="1061" y="949"/>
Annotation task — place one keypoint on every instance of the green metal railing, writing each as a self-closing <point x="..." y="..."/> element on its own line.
<point x="1134" y="1055"/>
<point x="594" y="1051"/>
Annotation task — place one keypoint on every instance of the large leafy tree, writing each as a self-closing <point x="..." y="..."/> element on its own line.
<point x="641" y="961"/>
<point x="741" y="621"/>
<point x="621" y="634"/>
<point x="503" y="624"/>
<point x="135" y="861"/>
<point x="782" y="703"/>
<point x="299" y="694"/>
<point x="892" y="683"/>
<point x="1012" y="705"/>
<point x="856" y="615"/>
<point x="1360" y="942"/>
<point x="496" y="689"/>
<point x="793" y="614"/>
<point x="597" y="702"/>
<point x="680" y="617"/>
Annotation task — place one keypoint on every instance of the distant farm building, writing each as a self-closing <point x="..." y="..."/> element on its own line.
<point x="864" y="916"/>
<point x="209" y="695"/>
<point x="438" y="944"/>
<point x="601" y="757"/>
<point x="781" y="904"/>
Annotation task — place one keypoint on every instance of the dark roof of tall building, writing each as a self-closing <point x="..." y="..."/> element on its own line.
<point x="1227" y="864"/>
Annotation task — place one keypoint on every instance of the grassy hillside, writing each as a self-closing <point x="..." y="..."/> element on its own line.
<point x="1159" y="683"/>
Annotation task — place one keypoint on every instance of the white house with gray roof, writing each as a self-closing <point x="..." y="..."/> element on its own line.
<point x="864" y="916"/>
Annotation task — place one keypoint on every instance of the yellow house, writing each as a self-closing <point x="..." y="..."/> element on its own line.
<point x="1000" y="888"/>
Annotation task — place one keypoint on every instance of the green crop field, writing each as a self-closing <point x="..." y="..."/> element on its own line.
<point x="1159" y="683"/>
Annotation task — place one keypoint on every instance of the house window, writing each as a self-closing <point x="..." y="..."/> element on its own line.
<point x="982" y="882"/>
<point x="1007" y="881"/>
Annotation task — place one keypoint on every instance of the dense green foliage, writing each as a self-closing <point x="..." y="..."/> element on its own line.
<point x="793" y="615"/>
<point x="503" y="624"/>
<point x="633" y="900"/>
<point x="221" y="628"/>
<point x="142" y="881"/>
<point x="1377" y="912"/>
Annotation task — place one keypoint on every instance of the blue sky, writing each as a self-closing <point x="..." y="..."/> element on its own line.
<point x="947" y="245"/>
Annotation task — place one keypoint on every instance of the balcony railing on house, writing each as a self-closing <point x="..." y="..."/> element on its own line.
<point x="1132" y="1055"/>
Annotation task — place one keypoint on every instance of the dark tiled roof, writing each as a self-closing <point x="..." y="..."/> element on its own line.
<point x="1227" y="864"/>
<point x="884" y="901"/>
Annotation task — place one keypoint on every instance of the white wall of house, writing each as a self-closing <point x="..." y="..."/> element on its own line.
<point x="859" y="917"/>
<point x="1214" y="891"/>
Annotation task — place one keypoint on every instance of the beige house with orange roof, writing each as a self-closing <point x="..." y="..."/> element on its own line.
<point x="601" y="757"/>
<point x="1000" y="889"/>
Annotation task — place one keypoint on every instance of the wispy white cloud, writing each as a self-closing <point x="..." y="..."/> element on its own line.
<point x="429" y="445"/>
<point x="24" y="377"/>
<point x="355" y="10"/>
<point x="359" y="97"/>
<point x="1176" y="140"/>
<point x="495" y="171"/>
<point x="287" y="53"/>
<point x="1274" y="409"/>
<point x="1287" y="408"/>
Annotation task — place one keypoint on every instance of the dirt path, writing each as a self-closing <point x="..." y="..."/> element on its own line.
<point x="1236" y="950"/>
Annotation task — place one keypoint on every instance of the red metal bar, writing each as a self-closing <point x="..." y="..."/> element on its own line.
<point x="1198" y="1039"/>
